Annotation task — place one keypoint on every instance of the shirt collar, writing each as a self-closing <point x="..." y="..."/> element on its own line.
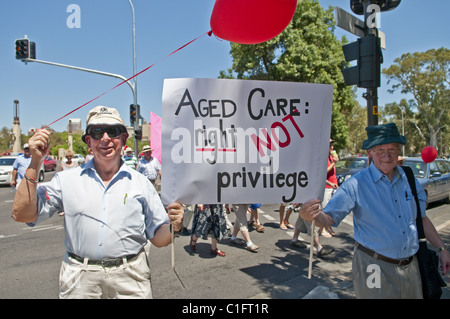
<point x="123" y="169"/>
<point x="377" y="175"/>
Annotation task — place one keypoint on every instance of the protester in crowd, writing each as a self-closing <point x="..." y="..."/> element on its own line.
<point x="209" y="220"/>
<point x="69" y="163"/>
<point x="20" y="165"/>
<point x="331" y="183"/>
<point x="284" y="218"/>
<point x="149" y="166"/>
<point x="254" y="218"/>
<point x="89" y="155"/>
<point x="303" y="226"/>
<point x="240" y="224"/>
<point x="129" y="158"/>
<point x="188" y="213"/>
<point x="384" y="219"/>
<point x="111" y="211"/>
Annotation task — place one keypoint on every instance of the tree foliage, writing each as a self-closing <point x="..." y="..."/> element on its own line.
<point x="306" y="51"/>
<point x="426" y="76"/>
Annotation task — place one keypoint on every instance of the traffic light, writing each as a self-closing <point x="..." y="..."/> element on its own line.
<point x="33" y="50"/>
<point x="357" y="6"/>
<point x="132" y="113"/>
<point x="22" y="49"/>
<point x="138" y="134"/>
<point x="25" y="49"/>
<point x="367" y="52"/>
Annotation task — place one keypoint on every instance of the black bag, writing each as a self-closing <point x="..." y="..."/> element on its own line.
<point x="428" y="259"/>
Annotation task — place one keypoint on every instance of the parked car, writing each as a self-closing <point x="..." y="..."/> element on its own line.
<point x="434" y="177"/>
<point x="49" y="164"/>
<point x="6" y="168"/>
<point x="76" y="157"/>
<point x="347" y="167"/>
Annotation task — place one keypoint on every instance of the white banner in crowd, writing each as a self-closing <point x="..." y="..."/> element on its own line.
<point x="242" y="141"/>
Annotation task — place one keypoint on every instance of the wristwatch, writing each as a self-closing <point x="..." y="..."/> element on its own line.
<point x="443" y="248"/>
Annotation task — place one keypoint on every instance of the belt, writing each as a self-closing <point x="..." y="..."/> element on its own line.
<point x="105" y="262"/>
<point x="371" y="253"/>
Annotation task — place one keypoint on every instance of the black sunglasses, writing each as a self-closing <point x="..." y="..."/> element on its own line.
<point x="113" y="131"/>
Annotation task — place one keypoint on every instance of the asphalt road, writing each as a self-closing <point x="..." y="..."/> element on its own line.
<point x="30" y="259"/>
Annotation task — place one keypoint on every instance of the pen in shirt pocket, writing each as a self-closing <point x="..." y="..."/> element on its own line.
<point x="125" y="198"/>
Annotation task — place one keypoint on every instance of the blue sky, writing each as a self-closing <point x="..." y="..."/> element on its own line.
<point x="104" y="42"/>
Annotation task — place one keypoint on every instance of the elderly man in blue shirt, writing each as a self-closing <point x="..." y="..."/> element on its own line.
<point x="384" y="218"/>
<point x="110" y="210"/>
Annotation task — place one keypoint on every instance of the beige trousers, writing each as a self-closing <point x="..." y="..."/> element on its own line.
<point x="82" y="281"/>
<point x="377" y="279"/>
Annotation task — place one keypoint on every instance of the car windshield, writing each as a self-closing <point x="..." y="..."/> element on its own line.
<point x="350" y="163"/>
<point x="6" y="161"/>
<point x="419" y="168"/>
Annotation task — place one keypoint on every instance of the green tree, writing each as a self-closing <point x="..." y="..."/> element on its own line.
<point x="6" y="140"/>
<point x="357" y="122"/>
<point x="426" y="76"/>
<point x="306" y="51"/>
<point x="414" y="143"/>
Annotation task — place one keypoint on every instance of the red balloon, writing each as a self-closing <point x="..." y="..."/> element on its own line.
<point x="429" y="154"/>
<point x="251" y="21"/>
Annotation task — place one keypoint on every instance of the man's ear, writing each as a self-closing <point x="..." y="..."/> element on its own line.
<point x="124" y="138"/>
<point x="87" y="140"/>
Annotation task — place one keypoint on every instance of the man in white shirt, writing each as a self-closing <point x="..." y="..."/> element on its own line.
<point x="111" y="211"/>
<point x="148" y="165"/>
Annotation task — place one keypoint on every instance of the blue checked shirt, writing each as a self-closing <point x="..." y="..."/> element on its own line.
<point x="101" y="221"/>
<point x="384" y="213"/>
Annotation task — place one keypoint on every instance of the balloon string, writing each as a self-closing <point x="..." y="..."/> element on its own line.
<point x="180" y="48"/>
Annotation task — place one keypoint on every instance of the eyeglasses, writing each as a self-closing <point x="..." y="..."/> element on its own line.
<point x="392" y="152"/>
<point x="97" y="132"/>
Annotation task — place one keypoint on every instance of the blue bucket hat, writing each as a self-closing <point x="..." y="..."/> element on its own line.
<point x="382" y="134"/>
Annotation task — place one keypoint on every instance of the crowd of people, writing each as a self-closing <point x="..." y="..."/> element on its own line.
<point x="112" y="211"/>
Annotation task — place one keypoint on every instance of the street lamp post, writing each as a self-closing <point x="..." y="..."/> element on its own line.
<point x="402" y="109"/>
<point x="138" y="113"/>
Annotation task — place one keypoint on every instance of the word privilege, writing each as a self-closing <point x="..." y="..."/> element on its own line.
<point x="246" y="179"/>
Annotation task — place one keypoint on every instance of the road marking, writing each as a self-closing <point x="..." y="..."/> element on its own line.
<point x="442" y="226"/>
<point x="48" y="228"/>
<point x="43" y="227"/>
<point x="268" y="217"/>
<point x="6" y="236"/>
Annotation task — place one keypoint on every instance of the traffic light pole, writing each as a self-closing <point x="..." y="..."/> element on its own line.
<point x="26" y="52"/>
<point x="84" y="69"/>
<point x="132" y="86"/>
<point x="371" y="97"/>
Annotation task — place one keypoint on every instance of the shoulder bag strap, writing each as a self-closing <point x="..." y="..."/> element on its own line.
<point x="412" y="184"/>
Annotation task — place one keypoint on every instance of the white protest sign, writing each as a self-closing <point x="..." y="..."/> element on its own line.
<point x="242" y="141"/>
